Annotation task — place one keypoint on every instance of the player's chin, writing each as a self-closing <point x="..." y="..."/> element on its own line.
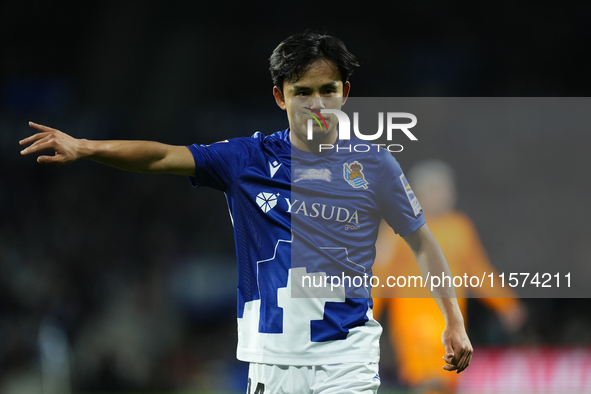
<point x="321" y="135"/>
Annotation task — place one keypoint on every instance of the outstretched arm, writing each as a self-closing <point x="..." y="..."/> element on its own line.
<point x="141" y="156"/>
<point x="430" y="259"/>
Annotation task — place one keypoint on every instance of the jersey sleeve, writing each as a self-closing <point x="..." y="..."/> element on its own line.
<point x="218" y="165"/>
<point x="398" y="204"/>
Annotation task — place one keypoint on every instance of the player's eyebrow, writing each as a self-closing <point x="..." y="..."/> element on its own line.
<point x="333" y="85"/>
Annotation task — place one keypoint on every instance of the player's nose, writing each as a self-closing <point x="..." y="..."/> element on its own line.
<point x="317" y="103"/>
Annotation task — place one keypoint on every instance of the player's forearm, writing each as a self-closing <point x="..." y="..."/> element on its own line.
<point x="140" y="156"/>
<point x="432" y="263"/>
<point x="431" y="260"/>
<point x="451" y="311"/>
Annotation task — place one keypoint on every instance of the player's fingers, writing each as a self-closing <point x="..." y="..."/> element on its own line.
<point x="50" y="159"/>
<point x="463" y="366"/>
<point x="449" y="360"/>
<point x="449" y="349"/>
<point x="468" y="359"/>
<point x="40" y="127"/>
<point x="33" y="138"/>
<point x="34" y="145"/>
<point x="464" y="360"/>
<point x="458" y="353"/>
<point x="38" y="147"/>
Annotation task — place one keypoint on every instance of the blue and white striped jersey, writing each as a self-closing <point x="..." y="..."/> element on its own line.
<point x="303" y="217"/>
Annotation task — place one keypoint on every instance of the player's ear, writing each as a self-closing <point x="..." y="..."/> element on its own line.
<point x="346" y="90"/>
<point x="279" y="98"/>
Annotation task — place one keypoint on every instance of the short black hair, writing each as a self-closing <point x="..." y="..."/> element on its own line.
<point x="292" y="58"/>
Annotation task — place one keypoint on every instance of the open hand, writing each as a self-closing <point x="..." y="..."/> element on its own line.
<point x="66" y="148"/>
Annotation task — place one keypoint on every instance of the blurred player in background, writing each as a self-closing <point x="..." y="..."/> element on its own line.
<point x="415" y="323"/>
<point x="297" y="345"/>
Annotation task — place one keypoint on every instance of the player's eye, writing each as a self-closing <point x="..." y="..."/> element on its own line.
<point x="301" y="94"/>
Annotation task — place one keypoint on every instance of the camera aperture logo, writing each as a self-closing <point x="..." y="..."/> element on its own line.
<point x="344" y="130"/>
<point x="316" y="119"/>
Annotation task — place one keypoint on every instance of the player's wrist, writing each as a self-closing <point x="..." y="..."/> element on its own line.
<point x="455" y="321"/>
<point x="454" y="318"/>
<point x="85" y="149"/>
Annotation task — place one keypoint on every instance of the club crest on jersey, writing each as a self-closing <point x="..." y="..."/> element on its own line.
<point x="353" y="174"/>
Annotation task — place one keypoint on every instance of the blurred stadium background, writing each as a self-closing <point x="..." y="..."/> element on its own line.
<point x="122" y="282"/>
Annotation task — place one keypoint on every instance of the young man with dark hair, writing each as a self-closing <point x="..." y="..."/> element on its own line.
<point x="285" y="200"/>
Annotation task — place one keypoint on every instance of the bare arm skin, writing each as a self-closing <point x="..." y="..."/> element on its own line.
<point x="140" y="156"/>
<point x="430" y="258"/>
